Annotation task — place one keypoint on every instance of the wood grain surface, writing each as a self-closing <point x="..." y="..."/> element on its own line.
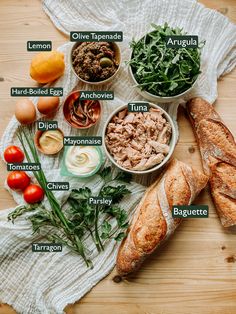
<point x="196" y="271"/>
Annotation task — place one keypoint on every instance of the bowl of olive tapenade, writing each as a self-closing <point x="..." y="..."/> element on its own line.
<point x="95" y="62"/>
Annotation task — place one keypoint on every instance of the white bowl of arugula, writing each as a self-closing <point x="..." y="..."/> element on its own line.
<point x="163" y="74"/>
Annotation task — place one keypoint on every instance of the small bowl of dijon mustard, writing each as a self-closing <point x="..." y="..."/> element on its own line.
<point x="49" y="142"/>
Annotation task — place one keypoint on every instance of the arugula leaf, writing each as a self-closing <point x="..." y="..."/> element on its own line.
<point x="173" y="85"/>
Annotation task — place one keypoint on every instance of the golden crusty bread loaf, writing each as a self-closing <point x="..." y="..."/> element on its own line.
<point x="218" y="151"/>
<point x="153" y="222"/>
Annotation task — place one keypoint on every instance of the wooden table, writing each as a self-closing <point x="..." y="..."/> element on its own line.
<point x="196" y="271"/>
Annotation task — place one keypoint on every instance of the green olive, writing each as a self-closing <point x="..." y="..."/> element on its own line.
<point x="106" y="62"/>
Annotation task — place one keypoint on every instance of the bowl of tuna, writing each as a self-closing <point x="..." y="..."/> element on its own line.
<point x="139" y="142"/>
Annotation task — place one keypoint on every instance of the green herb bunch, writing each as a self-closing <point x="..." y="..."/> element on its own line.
<point x="96" y="219"/>
<point x="70" y="226"/>
<point x="160" y="70"/>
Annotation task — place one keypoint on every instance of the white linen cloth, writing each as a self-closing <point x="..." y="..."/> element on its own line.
<point x="44" y="283"/>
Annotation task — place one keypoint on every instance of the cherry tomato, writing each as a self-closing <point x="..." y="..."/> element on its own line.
<point x="33" y="194"/>
<point x="13" y="154"/>
<point x="18" y="180"/>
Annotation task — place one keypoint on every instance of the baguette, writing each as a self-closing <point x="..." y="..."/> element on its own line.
<point x="153" y="222"/>
<point x="218" y="151"/>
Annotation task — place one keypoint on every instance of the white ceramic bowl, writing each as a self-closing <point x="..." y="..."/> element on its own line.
<point x="117" y="57"/>
<point x="172" y="143"/>
<point x="152" y="97"/>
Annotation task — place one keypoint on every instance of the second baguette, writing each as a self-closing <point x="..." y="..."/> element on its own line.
<point x="218" y="151"/>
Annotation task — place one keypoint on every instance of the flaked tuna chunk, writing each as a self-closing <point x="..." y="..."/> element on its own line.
<point x="112" y="144"/>
<point x="121" y="156"/>
<point x="117" y="149"/>
<point x="136" y="145"/>
<point x="114" y="136"/>
<point x="149" y="124"/>
<point x="112" y="127"/>
<point x="126" y="164"/>
<point x="138" y="118"/>
<point x="159" y="147"/>
<point x="155" y="114"/>
<point x="118" y="129"/>
<point x="150" y="133"/>
<point x="164" y="135"/>
<point x="129" y="129"/>
<point x="141" y="165"/>
<point x="121" y="137"/>
<point x="142" y="139"/>
<point x="129" y="118"/>
<point x="154" y="160"/>
<point x="133" y="154"/>
<point x="155" y="135"/>
<point x="147" y="149"/>
<point x="160" y="123"/>
<point x="148" y="163"/>
<point x="122" y="114"/>
<point x="140" y="129"/>
<point x="117" y="120"/>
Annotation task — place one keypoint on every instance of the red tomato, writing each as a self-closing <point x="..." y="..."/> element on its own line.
<point x="18" y="180"/>
<point x="33" y="194"/>
<point x="13" y="154"/>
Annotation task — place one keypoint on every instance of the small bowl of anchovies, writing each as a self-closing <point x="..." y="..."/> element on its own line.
<point x="95" y="62"/>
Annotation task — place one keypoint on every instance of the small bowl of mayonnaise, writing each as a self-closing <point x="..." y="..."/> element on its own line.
<point x="81" y="161"/>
